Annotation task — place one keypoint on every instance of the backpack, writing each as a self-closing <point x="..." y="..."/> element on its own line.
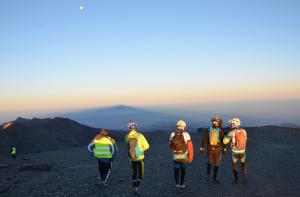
<point x="178" y="145"/>
<point x="134" y="150"/>
<point x="240" y="139"/>
<point x="214" y="136"/>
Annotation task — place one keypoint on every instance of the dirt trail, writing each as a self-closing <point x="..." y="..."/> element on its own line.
<point x="273" y="168"/>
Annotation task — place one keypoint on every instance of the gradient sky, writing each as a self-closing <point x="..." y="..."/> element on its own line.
<point x="54" y="56"/>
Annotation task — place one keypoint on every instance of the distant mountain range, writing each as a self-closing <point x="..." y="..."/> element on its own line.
<point x="289" y="125"/>
<point x="116" y="117"/>
<point x="39" y="135"/>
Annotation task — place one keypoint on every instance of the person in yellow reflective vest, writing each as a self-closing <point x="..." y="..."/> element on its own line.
<point x="104" y="149"/>
<point x="137" y="144"/>
<point x="13" y="151"/>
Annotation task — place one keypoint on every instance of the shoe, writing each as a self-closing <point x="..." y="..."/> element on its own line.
<point x="104" y="183"/>
<point x="183" y="186"/>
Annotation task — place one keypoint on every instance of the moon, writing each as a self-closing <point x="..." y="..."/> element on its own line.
<point x="81" y="8"/>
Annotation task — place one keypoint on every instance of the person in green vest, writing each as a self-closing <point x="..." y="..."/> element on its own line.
<point x="13" y="151"/>
<point x="104" y="149"/>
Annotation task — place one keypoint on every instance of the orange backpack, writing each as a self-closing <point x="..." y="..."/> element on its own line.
<point x="240" y="139"/>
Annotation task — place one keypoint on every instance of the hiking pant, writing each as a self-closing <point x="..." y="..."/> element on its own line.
<point x="235" y="158"/>
<point x="214" y="156"/>
<point x="104" y="170"/>
<point x="137" y="172"/>
<point x="179" y="172"/>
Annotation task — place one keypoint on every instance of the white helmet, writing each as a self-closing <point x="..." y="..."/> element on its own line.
<point x="235" y="121"/>
<point x="132" y="124"/>
<point x="181" y="123"/>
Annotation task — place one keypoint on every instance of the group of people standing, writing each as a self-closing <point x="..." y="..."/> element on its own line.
<point x="214" y="141"/>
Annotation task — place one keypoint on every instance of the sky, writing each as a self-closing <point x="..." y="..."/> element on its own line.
<point x="58" y="55"/>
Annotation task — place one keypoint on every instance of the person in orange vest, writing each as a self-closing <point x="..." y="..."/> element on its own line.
<point x="212" y="138"/>
<point x="183" y="152"/>
<point x="238" y="139"/>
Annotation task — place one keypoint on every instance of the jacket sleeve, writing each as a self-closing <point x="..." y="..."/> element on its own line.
<point x="170" y="140"/>
<point x="145" y="145"/>
<point x="190" y="151"/>
<point x="115" y="145"/>
<point x="245" y="132"/>
<point x="113" y="149"/>
<point x="221" y="138"/>
<point x="204" y="138"/>
<point x="91" y="147"/>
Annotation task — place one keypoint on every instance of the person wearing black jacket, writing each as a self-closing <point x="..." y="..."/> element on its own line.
<point x="212" y="138"/>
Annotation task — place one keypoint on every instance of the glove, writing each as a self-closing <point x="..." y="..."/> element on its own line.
<point x="202" y="150"/>
<point x="190" y="159"/>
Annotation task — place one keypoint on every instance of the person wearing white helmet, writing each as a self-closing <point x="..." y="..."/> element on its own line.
<point x="183" y="152"/>
<point x="137" y="145"/>
<point x="238" y="139"/>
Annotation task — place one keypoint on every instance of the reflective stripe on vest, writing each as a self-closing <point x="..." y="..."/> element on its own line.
<point x="183" y="156"/>
<point x="237" y="151"/>
<point x="14" y="151"/>
<point x="102" y="150"/>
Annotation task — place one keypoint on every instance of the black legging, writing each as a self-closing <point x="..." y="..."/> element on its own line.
<point x="179" y="173"/>
<point x="104" y="170"/>
<point x="137" y="172"/>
